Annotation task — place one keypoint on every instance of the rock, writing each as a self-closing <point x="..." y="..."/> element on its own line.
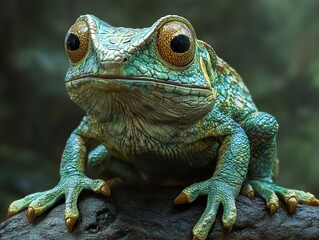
<point x="145" y="212"/>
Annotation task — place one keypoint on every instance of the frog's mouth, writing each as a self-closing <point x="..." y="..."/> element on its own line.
<point x="106" y="96"/>
<point x="151" y="84"/>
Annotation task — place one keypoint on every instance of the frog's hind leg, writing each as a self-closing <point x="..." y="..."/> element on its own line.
<point x="100" y="163"/>
<point x="261" y="129"/>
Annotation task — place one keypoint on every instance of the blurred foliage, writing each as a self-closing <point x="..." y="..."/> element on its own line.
<point x="272" y="44"/>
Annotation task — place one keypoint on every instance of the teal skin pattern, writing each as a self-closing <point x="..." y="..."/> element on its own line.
<point x="166" y="110"/>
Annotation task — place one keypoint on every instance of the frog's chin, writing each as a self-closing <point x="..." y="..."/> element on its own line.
<point x="109" y="99"/>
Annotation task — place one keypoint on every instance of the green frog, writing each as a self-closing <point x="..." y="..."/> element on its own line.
<point x="165" y="110"/>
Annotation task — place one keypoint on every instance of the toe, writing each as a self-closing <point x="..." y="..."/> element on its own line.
<point x="292" y="204"/>
<point x="98" y="186"/>
<point x="193" y="191"/>
<point x="314" y="202"/>
<point x="71" y="212"/>
<point x="43" y="202"/>
<point x="181" y="199"/>
<point x="272" y="209"/>
<point x="69" y="222"/>
<point x="105" y="190"/>
<point x="251" y="195"/>
<point x="272" y="203"/>
<point x="270" y="197"/>
<point x="306" y="198"/>
<point x="248" y="191"/>
<point x="230" y="213"/>
<point x="9" y="214"/>
<point x="21" y="204"/>
<point x="30" y="214"/>
<point x="204" y="224"/>
<point x="288" y="196"/>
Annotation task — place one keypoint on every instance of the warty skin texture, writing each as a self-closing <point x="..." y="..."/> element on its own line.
<point x="166" y="110"/>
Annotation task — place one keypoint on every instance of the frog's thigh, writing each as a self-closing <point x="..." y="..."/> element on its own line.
<point x="101" y="163"/>
<point x="261" y="129"/>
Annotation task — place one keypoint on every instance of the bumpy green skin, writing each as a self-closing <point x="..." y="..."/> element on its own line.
<point x="161" y="124"/>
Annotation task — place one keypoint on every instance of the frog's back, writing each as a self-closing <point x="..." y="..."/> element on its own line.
<point x="233" y="97"/>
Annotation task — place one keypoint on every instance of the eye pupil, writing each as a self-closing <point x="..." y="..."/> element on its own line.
<point x="73" y="42"/>
<point x="180" y="43"/>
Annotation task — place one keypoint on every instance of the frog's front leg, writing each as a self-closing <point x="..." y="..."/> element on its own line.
<point x="72" y="182"/>
<point x="224" y="186"/>
<point x="261" y="129"/>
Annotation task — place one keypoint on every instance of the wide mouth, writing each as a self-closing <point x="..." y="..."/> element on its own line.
<point x="148" y="83"/>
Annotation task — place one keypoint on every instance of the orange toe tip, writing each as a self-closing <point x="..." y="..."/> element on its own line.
<point x="105" y="190"/>
<point x="314" y="202"/>
<point x="251" y="195"/>
<point x="30" y="214"/>
<point x="9" y="214"/>
<point x="181" y="199"/>
<point x="292" y="204"/>
<point x="272" y="209"/>
<point x="195" y="238"/>
<point x="69" y="222"/>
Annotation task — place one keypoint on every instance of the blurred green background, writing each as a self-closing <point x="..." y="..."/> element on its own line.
<point x="273" y="44"/>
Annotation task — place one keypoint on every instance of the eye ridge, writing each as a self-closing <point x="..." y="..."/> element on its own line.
<point x="180" y="43"/>
<point x="73" y="42"/>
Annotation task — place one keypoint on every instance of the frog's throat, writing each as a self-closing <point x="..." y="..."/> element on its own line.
<point x="148" y="83"/>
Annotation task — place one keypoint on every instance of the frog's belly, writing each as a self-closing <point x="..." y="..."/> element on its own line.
<point x="178" y="168"/>
<point x="167" y="172"/>
<point x="165" y="164"/>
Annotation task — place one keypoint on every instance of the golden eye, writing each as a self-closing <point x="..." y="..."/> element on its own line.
<point x="176" y="43"/>
<point x="77" y="42"/>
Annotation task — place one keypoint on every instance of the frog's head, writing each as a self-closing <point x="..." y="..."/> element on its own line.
<point x="162" y="73"/>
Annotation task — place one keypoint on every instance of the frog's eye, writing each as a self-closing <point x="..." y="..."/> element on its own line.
<point x="77" y="42"/>
<point x="176" y="43"/>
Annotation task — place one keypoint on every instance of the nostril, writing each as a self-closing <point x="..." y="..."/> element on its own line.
<point x="125" y="59"/>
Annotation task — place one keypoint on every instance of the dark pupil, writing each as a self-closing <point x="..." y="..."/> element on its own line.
<point x="180" y="44"/>
<point x="72" y="42"/>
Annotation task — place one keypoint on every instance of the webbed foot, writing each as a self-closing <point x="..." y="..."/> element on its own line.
<point x="218" y="193"/>
<point x="70" y="187"/>
<point x="271" y="193"/>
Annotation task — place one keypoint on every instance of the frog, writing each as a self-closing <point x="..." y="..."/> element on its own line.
<point x="165" y="110"/>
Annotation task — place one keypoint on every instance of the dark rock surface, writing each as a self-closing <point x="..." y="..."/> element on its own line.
<point x="148" y="213"/>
